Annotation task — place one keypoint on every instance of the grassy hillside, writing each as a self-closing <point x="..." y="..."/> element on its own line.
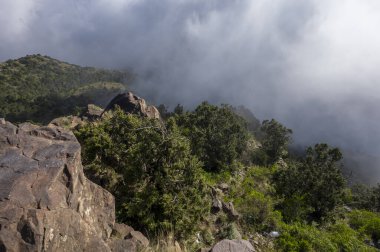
<point x="31" y="86"/>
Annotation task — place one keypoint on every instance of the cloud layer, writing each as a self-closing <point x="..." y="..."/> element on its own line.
<point x="311" y="64"/>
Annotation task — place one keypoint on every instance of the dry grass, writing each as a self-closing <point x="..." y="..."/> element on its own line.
<point x="165" y="243"/>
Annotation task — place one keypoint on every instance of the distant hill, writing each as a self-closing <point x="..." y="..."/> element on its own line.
<point x="39" y="88"/>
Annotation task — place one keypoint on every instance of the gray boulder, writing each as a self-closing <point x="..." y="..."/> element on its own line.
<point x="233" y="246"/>
<point x="132" y="104"/>
<point x="46" y="202"/>
<point x="92" y="112"/>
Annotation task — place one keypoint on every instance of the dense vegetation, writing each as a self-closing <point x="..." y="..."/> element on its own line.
<point x="166" y="175"/>
<point x="313" y="187"/>
<point x="217" y="134"/>
<point x="150" y="170"/>
<point x="39" y="88"/>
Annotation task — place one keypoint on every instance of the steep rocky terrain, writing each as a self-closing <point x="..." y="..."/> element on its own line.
<point x="46" y="202"/>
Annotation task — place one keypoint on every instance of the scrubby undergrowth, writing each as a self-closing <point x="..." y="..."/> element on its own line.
<point x="165" y="176"/>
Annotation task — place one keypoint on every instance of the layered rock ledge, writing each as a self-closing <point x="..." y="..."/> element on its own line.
<point x="46" y="202"/>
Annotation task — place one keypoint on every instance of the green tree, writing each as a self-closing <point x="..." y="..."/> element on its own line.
<point x="313" y="187"/>
<point x="218" y="136"/>
<point x="275" y="139"/>
<point x="150" y="170"/>
<point x="365" y="197"/>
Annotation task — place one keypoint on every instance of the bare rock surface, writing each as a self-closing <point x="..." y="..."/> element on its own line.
<point x="233" y="246"/>
<point x="92" y="112"/>
<point x="229" y="209"/>
<point x="67" y="122"/>
<point x="46" y="202"/>
<point x="132" y="104"/>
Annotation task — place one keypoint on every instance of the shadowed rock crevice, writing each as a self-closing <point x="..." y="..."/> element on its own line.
<point x="2" y="247"/>
<point x="27" y="233"/>
<point x="66" y="178"/>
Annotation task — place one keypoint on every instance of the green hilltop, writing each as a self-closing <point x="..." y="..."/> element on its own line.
<point x="39" y="88"/>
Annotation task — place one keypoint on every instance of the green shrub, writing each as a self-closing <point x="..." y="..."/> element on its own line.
<point x="337" y="237"/>
<point x="218" y="136"/>
<point x="345" y="238"/>
<point x="365" y="197"/>
<point x="156" y="180"/>
<point x="300" y="237"/>
<point x="275" y="140"/>
<point x="252" y="199"/>
<point x="367" y="223"/>
<point x="314" y="187"/>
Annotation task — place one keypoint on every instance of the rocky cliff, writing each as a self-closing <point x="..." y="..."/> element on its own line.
<point x="132" y="104"/>
<point x="46" y="202"/>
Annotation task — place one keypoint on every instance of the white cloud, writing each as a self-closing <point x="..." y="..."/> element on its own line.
<point x="312" y="64"/>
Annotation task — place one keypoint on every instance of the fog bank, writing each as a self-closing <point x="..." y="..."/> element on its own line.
<point x="310" y="64"/>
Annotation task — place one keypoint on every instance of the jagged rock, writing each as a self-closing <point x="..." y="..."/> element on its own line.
<point x="133" y="104"/>
<point x="281" y="163"/>
<point x="27" y="126"/>
<point x="224" y="187"/>
<point x="66" y="122"/>
<point x="71" y="122"/>
<point x="121" y="230"/>
<point x="229" y="209"/>
<point x="233" y="246"/>
<point x="216" y="205"/>
<point x="262" y="243"/>
<point x="46" y="202"/>
<point x="122" y="245"/>
<point x="92" y="112"/>
<point x="139" y="238"/>
<point x="204" y="250"/>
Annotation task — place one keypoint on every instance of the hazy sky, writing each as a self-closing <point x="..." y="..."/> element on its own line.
<point x="312" y="64"/>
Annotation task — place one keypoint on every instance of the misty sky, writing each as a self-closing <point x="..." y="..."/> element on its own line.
<point x="311" y="64"/>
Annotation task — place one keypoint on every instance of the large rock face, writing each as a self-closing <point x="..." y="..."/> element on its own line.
<point x="133" y="104"/>
<point x="46" y="202"/>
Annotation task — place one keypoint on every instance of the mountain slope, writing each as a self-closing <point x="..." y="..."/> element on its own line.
<point x="31" y="86"/>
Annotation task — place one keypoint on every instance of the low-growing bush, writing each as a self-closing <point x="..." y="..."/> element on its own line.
<point x="337" y="237"/>
<point x="252" y="198"/>
<point x="367" y="223"/>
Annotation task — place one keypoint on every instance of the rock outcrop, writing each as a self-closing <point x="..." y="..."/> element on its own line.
<point x="128" y="102"/>
<point x="67" y="122"/>
<point x="132" y="104"/>
<point x="92" y="112"/>
<point x="46" y="202"/>
<point x="233" y="246"/>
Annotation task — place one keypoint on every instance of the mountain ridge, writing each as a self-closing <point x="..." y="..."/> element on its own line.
<point x="33" y="84"/>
